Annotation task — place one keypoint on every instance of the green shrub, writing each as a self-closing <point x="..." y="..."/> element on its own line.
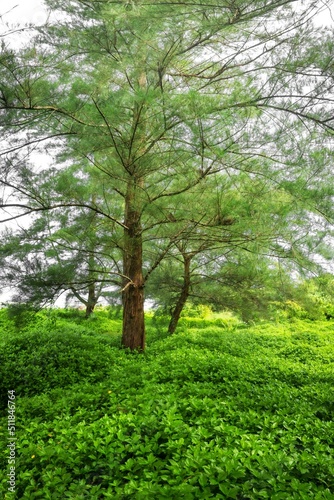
<point x="38" y="361"/>
<point x="21" y="315"/>
<point x="208" y="412"/>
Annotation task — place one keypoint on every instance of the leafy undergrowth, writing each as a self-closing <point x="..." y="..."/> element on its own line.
<point x="211" y="412"/>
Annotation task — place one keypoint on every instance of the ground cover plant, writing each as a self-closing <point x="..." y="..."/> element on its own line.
<point x="218" y="410"/>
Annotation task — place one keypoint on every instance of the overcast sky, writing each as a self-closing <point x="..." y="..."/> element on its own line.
<point x="22" y="11"/>
<point x="33" y="11"/>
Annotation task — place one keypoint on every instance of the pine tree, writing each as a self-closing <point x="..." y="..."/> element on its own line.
<point x="158" y="97"/>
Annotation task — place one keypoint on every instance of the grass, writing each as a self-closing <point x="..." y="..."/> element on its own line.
<point x="218" y="410"/>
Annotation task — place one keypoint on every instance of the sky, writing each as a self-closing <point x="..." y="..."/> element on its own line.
<point x="33" y="11"/>
<point x="22" y="11"/>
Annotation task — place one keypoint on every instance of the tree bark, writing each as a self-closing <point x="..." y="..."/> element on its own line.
<point x="92" y="300"/>
<point x="133" y="335"/>
<point x="176" y="313"/>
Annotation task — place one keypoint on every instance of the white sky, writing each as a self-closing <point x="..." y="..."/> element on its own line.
<point x="33" y="11"/>
<point x="23" y="11"/>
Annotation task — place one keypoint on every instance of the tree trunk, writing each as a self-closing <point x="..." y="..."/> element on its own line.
<point x="92" y="300"/>
<point x="176" y="313"/>
<point x="133" y="335"/>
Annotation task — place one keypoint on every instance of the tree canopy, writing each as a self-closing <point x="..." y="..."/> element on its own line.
<point x="188" y="126"/>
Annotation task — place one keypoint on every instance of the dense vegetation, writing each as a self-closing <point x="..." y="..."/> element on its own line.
<point x="165" y="149"/>
<point x="181" y="152"/>
<point x="218" y="410"/>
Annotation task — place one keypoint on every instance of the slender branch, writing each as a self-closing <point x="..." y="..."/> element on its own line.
<point x="31" y="210"/>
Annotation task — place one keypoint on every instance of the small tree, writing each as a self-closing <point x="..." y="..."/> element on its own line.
<point x="63" y="250"/>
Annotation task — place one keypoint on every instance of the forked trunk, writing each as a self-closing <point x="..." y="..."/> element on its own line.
<point x="92" y="297"/>
<point x="92" y="300"/>
<point x="182" y="299"/>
